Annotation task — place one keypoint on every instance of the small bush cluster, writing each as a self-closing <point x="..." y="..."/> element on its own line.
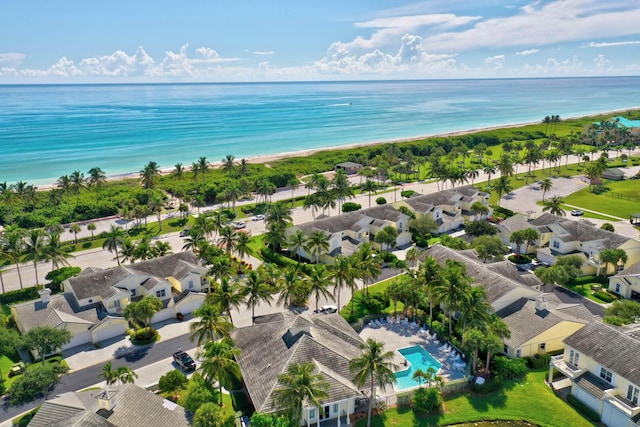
<point x="605" y="296"/>
<point x="426" y="400"/>
<point x="506" y="368"/>
<point x="504" y="211"/>
<point x="374" y="303"/>
<point x="351" y="207"/>
<point x="381" y="201"/>
<point x="20" y="295"/>
<point x="522" y="259"/>
<point x="538" y="361"/>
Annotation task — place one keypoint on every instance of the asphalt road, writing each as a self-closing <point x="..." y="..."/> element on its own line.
<point x="88" y="377"/>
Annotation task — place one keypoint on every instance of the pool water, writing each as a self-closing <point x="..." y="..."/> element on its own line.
<point x="418" y="358"/>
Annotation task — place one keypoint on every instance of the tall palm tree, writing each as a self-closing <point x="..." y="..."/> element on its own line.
<point x="291" y="286"/>
<point x="475" y="311"/>
<point x="489" y="170"/>
<point x="554" y="206"/>
<point x="195" y="240"/>
<point x="319" y="283"/>
<point x="229" y="164"/>
<point x="293" y="184"/>
<point x="78" y="182"/>
<point x="228" y="239"/>
<point x="370" y="187"/>
<point x="149" y="175"/>
<point x="75" y="229"/>
<point x="34" y="248"/>
<point x="545" y="185"/>
<point x="299" y="386"/>
<point x="255" y="290"/>
<point x="178" y="171"/>
<point x="113" y="239"/>
<point x="243" y="241"/>
<point x="55" y="252"/>
<point x="210" y="324"/>
<point x="123" y="374"/>
<point x="96" y="178"/>
<point x="453" y="289"/>
<point x="367" y="265"/>
<point x="375" y="367"/>
<point x="13" y="247"/>
<point x="220" y="364"/>
<point x="502" y="186"/>
<point x="317" y="243"/>
<point x="226" y="295"/>
<point x="297" y="241"/>
<point x="342" y="273"/>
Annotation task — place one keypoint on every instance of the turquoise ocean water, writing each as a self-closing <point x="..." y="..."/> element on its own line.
<point x="50" y="130"/>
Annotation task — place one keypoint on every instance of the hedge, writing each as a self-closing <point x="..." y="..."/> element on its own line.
<point x="504" y="211"/>
<point x="603" y="296"/>
<point x="272" y="256"/>
<point x="584" y="409"/>
<point x="21" y="295"/>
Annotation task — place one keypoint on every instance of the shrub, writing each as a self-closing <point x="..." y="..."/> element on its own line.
<point x="426" y="400"/>
<point x="614" y="320"/>
<point x="480" y="228"/>
<point x="381" y="201"/>
<point x="584" y="409"/>
<point x="407" y="193"/>
<point x="56" y="277"/>
<point x="24" y="420"/>
<point x="20" y="295"/>
<point x="522" y="259"/>
<point x="388" y="257"/>
<point x="602" y="296"/>
<point x="351" y="207"/>
<point x="538" y="361"/>
<point x="504" y="211"/>
<point x="453" y="242"/>
<point x="374" y="303"/>
<point x="172" y="381"/>
<point x="505" y="368"/>
<point x="608" y="227"/>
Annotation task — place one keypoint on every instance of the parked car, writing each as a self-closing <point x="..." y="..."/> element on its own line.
<point x="184" y="232"/>
<point x="258" y="217"/>
<point x="245" y="421"/>
<point x="185" y="361"/>
<point x="577" y="212"/>
<point x="239" y="224"/>
<point x="326" y="309"/>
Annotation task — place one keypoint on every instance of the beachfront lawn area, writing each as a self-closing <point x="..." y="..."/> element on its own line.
<point x="586" y="214"/>
<point x="529" y="400"/>
<point x="621" y="199"/>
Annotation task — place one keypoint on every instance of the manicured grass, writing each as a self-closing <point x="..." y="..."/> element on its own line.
<point x="5" y="365"/>
<point x="586" y="214"/>
<point x="256" y="243"/>
<point x="359" y="310"/>
<point x="621" y="200"/>
<point x="585" y="291"/>
<point x="529" y="400"/>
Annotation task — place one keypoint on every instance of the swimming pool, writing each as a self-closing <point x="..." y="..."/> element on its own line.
<point x="418" y="358"/>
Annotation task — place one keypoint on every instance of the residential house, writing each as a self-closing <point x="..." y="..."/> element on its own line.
<point x="627" y="282"/>
<point x="277" y="341"/>
<point x="570" y="237"/>
<point x="126" y="405"/>
<point x="522" y="222"/>
<point x="448" y="208"/>
<point x="350" y="168"/>
<point x="540" y="325"/>
<point x="93" y="302"/>
<point x="602" y="363"/>
<point x="348" y="231"/>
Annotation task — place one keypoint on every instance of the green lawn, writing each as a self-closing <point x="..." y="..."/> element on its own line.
<point x="5" y="365"/>
<point x="621" y="200"/>
<point x="359" y="311"/>
<point x="587" y="214"/>
<point x="256" y="243"/>
<point x="529" y="400"/>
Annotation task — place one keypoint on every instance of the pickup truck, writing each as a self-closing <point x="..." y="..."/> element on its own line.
<point x="184" y="361"/>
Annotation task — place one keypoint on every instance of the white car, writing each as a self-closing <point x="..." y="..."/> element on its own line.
<point x="577" y="212"/>
<point x="327" y="309"/>
<point x="239" y="224"/>
<point x="258" y="218"/>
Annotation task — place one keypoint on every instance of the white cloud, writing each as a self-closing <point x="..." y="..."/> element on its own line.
<point x="602" y="63"/>
<point x="554" y="67"/>
<point x="496" y="62"/>
<point x="527" y="52"/>
<point x="264" y="53"/>
<point x="610" y="44"/>
<point x="11" y="59"/>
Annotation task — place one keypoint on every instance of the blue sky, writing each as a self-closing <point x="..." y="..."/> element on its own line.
<point x="116" y="41"/>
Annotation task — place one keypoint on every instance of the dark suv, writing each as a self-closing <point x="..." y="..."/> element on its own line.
<point x="184" y="360"/>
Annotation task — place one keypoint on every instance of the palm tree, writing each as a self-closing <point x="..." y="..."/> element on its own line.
<point x="96" y="178"/>
<point x="554" y="206"/>
<point x="429" y="275"/>
<point x="319" y="281"/>
<point x="75" y="229"/>
<point x="178" y="171"/>
<point x="229" y="164"/>
<point x="243" y="241"/>
<point x="228" y="239"/>
<point x="473" y="340"/>
<point x="453" y="289"/>
<point x="56" y="252"/>
<point x="78" y="182"/>
<point x="489" y="170"/>
<point x="149" y="175"/>
<point x="546" y="185"/>
<point x="91" y="227"/>
<point x="367" y="265"/>
<point x="475" y="311"/>
<point x="300" y="386"/>
<point x="123" y="374"/>
<point x="255" y="290"/>
<point x="226" y="295"/>
<point x="375" y="367"/>
<point x="370" y="187"/>
<point x="291" y="286"/>
<point x="13" y="247"/>
<point x="211" y="324"/>
<point x="297" y="241"/>
<point x="34" y="248"/>
<point x="503" y="186"/>
<point x="195" y="240"/>
<point x="220" y="364"/>
<point x="317" y="243"/>
<point x="113" y="239"/>
<point x="342" y="273"/>
<point x="412" y="256"/>
<point x="294" y="184"/>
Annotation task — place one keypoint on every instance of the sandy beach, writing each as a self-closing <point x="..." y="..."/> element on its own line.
<point x="269" y="158"/>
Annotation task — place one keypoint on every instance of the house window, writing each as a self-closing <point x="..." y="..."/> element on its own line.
<point x="312" y="413"/>
<point x="190" y="284"/>
<point x="133" y="292"/>
<point x="574" y="357"/>
<point x="556" y="244"/>
<point x="542" y="346"/>
<point x="161" y="293"/>
<point x="90" y="301"/>
<point x="617" y="288"/>
<point x="335" y="408"/>
<point x="619" y="268"/>
<point x="606" y="375"/>
<point x="632" y="394"/>
<point x="518" y="353"/>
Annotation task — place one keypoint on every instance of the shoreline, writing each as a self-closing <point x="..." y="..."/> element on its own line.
<point x="267" y="158"/>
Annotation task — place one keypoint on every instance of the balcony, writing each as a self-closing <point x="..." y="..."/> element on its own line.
<point x="622" y="404"/>
<point x="565" y="367"/>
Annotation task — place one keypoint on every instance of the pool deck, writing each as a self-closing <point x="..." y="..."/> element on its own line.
<point x="397" y="336"/>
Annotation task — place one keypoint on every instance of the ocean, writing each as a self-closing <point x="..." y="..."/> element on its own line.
<point x="47" y="131"/>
